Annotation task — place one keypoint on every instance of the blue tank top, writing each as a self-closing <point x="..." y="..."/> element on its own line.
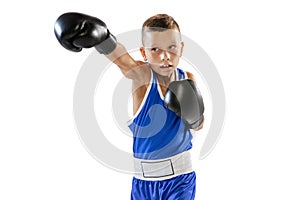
<point x="157" y="131"/>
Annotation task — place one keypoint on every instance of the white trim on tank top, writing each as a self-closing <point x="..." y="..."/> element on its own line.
<point x="143" y="101"/>
<point x="148" y="91"/>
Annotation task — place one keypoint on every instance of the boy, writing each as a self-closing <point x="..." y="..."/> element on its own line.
<point x="165" y="108"/>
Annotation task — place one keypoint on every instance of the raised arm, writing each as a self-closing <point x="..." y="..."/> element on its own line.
<point x="75" y="31"/>
<point x="132" y="69"/>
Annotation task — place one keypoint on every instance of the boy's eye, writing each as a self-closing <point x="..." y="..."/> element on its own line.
<point x="172" y="47"/>
<point x="154" y="49"/>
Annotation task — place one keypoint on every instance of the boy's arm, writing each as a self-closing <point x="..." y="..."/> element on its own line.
<point x="184" y="98"/>
<point x="75" y="31"/>
<point x="192" y="77"/>
<point x="132" y="69"/>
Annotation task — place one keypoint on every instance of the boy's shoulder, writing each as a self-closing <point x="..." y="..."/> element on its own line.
<point x="190" y="75"/>
<point x="140" y="74"/>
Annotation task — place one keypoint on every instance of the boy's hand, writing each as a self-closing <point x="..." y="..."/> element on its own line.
<point x="184" y="98"/>
<point x="75" y="31"/>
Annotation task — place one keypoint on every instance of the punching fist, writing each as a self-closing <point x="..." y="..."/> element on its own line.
<point x="75" y="31"/>
<point x="184" y="98"/>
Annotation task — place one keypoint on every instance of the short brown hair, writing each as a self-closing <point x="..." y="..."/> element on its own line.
<point x="160" y="22"/>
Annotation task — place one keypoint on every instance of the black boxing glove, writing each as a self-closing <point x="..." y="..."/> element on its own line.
<point x="184" y="98"/>
<point x="75" y="31"/>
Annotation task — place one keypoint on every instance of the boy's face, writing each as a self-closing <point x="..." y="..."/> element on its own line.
<point x="162" y="50"/>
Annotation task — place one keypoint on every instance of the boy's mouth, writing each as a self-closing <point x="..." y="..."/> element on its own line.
<point x="165" y="66"/>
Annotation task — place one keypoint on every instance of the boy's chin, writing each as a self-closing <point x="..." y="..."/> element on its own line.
<point x="164" y="71"/>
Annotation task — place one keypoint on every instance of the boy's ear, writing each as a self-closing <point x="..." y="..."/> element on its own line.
<point x="142" y="50"/>
<point x="181" y="49"/>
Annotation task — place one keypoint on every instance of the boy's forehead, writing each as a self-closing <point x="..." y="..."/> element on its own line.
<point x="160" y="37"/>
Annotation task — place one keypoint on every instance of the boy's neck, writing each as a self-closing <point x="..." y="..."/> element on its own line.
<point x="166" y="80"/>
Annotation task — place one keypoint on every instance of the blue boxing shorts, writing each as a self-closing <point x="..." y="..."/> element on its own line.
<point x="181" y="187"/>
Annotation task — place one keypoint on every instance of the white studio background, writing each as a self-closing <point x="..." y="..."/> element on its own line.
<point x="255" y="47"/>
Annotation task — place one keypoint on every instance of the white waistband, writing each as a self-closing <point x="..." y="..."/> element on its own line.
<point x="163" y="168"/>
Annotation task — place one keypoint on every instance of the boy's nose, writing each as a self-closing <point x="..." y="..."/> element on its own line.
<point x="165" y="55"/>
